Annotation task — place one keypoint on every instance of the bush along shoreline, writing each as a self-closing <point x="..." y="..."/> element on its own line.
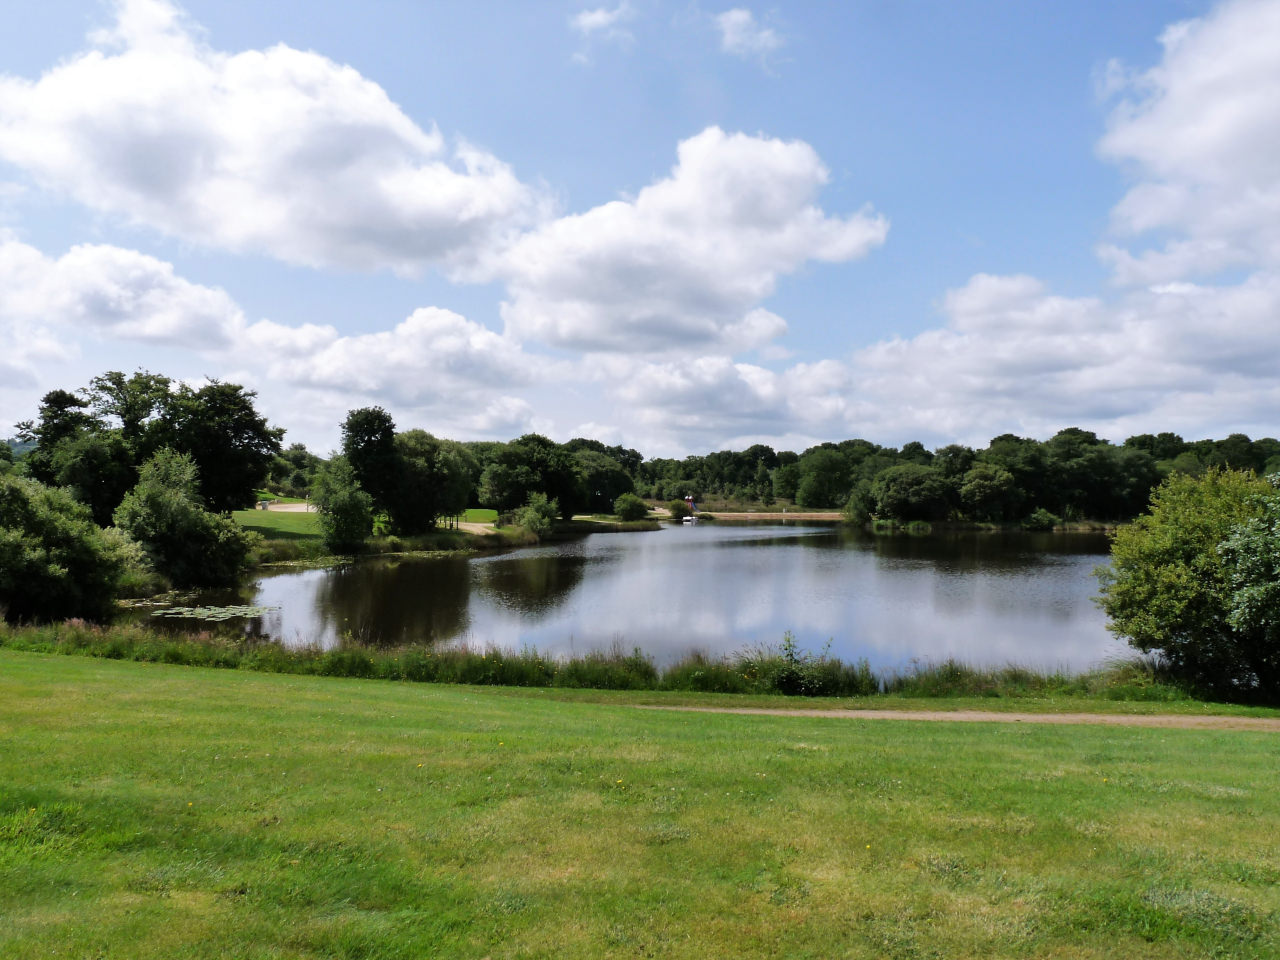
<point x="784" y="670"/>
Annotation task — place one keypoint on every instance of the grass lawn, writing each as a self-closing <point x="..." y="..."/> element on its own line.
<point x="157" y="811"/>
<point x="277" y="525"/>
<point x="268" y="495"/>
<point x="480" y="515"/>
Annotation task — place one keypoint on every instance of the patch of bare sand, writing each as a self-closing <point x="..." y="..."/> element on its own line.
<point x="1164" y="720"/>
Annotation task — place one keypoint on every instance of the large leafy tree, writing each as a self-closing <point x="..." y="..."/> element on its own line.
<point x="912" y="491"/>
<point x="824" y="478"/>
<point x="230" y="444"/>
<point x="1180" y="581"/>
<point x="369" y="444"/>
<point x="62" y="417"/>
<point x="527" y="465"/>
<point x="603" y="479"/>
<point x="95" y="442"/>
<point x="137" y="404"/>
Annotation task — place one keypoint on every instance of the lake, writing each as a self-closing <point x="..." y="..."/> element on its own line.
<point x="986" y="599"/>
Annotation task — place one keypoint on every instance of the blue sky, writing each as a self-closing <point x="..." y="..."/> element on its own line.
<point x="673" y="225"/>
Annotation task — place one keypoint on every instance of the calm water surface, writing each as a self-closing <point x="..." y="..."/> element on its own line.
<point x="983" y="598"/>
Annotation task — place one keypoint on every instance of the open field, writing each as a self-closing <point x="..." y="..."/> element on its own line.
<point x="279" y="524"/>
<point x="156" y="811"/>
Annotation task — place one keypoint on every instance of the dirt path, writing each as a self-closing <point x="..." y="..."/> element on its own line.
<point x="484" y="529"/>
<point x="291" y="507"/>
<point x="1165" y="720"/>
<point x="790" y="515"/>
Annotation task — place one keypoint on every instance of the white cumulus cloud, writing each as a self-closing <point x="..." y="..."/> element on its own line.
<point x="602" y="19"/>
<point x="742" y="36"/>
<point x="113" y="292"/>
<point x="1201" y="132"/>
<point x="687" y="261"/>
<point x="275" y="151"/>
<point x="1013" y="356"/>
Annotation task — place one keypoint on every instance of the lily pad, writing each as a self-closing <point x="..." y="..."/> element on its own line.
<point x="213" y="614"/>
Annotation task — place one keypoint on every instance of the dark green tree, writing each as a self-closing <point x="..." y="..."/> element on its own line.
<point x="346" y="511"/>
<point x="912" y="491"/>
<point x="230" y="443"/>
<point x="97" y="468"/>
<point x="187" y="544"/>
<point x="369" y="444"/>
<point x="989" y="492"/>
<point x="137" y="404"/>
<point x="55" y="562"/>
<point x="62" y="417"/>
<point x="824" y="478"/>
<point x="603" y="479"/>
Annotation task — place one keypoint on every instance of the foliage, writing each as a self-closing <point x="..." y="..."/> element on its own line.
<point x="54" y="562"/>
<point x="97" y="469"/>
<point x="62" y="417"/>
<point x="293" y="470"/>
<point x="1185" y="579"/>
<point x="912" y="491"/>
<point x="346" y="511"/>
<point x="369" y="445"/>
<point x="630" y="507"/>
<point x="1252" y="555"/>
<point x="1041" y="519"/>
<point x="824" y="479"/>
<point x="96" y="442"/>
<point x="861" y="504"/>
<point x="531" y="464"/>
<point x="602" y="480"/>
<point x="678" y="509"/>
<point x="230" y="444"/>
<point x="989" y="492"/>
<point x="786" y="670"/>
<point x="537" y="515"/>
<point x="187" y="544"/>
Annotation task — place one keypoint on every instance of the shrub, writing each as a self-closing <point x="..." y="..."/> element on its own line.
<point x="1181" y="583"/>
<point x="54" y="561"/>
<point x="609" y="671"/>
<point x="346" y="511"/>
<point x="186" y="543"/>
<point x="630" y="507"/>
<point x="1041" y="520"/>
<point x="700" y="673"/>
<point x="678" y="509"/>
<point x="537" y="515"/>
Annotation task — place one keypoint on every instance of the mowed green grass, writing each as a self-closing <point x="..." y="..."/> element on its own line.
<point x="279" y="525"/>
<point x="156" y="811"/>
<point x="480" y="515"/>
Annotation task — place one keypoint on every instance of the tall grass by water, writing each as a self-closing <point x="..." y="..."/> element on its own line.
<point x="784" y="670"/>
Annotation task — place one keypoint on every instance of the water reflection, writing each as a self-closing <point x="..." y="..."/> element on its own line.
<point x="984" y="598"/>
<point x="378" y="601"/>
<point x="532" y="584"/>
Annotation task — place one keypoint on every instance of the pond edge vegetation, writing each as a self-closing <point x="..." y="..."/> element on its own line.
<point x="784" y="670"/>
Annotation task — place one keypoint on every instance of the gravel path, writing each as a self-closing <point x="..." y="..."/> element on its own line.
<point x="1165" y="720"/>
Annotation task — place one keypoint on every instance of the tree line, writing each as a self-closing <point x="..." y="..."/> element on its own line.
<point x="126" y="485"/>
<point x="94" y="442"/>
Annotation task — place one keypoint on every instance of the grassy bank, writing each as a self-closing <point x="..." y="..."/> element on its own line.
<point x="783" y="670"/>
<point x="153" y="812"/>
